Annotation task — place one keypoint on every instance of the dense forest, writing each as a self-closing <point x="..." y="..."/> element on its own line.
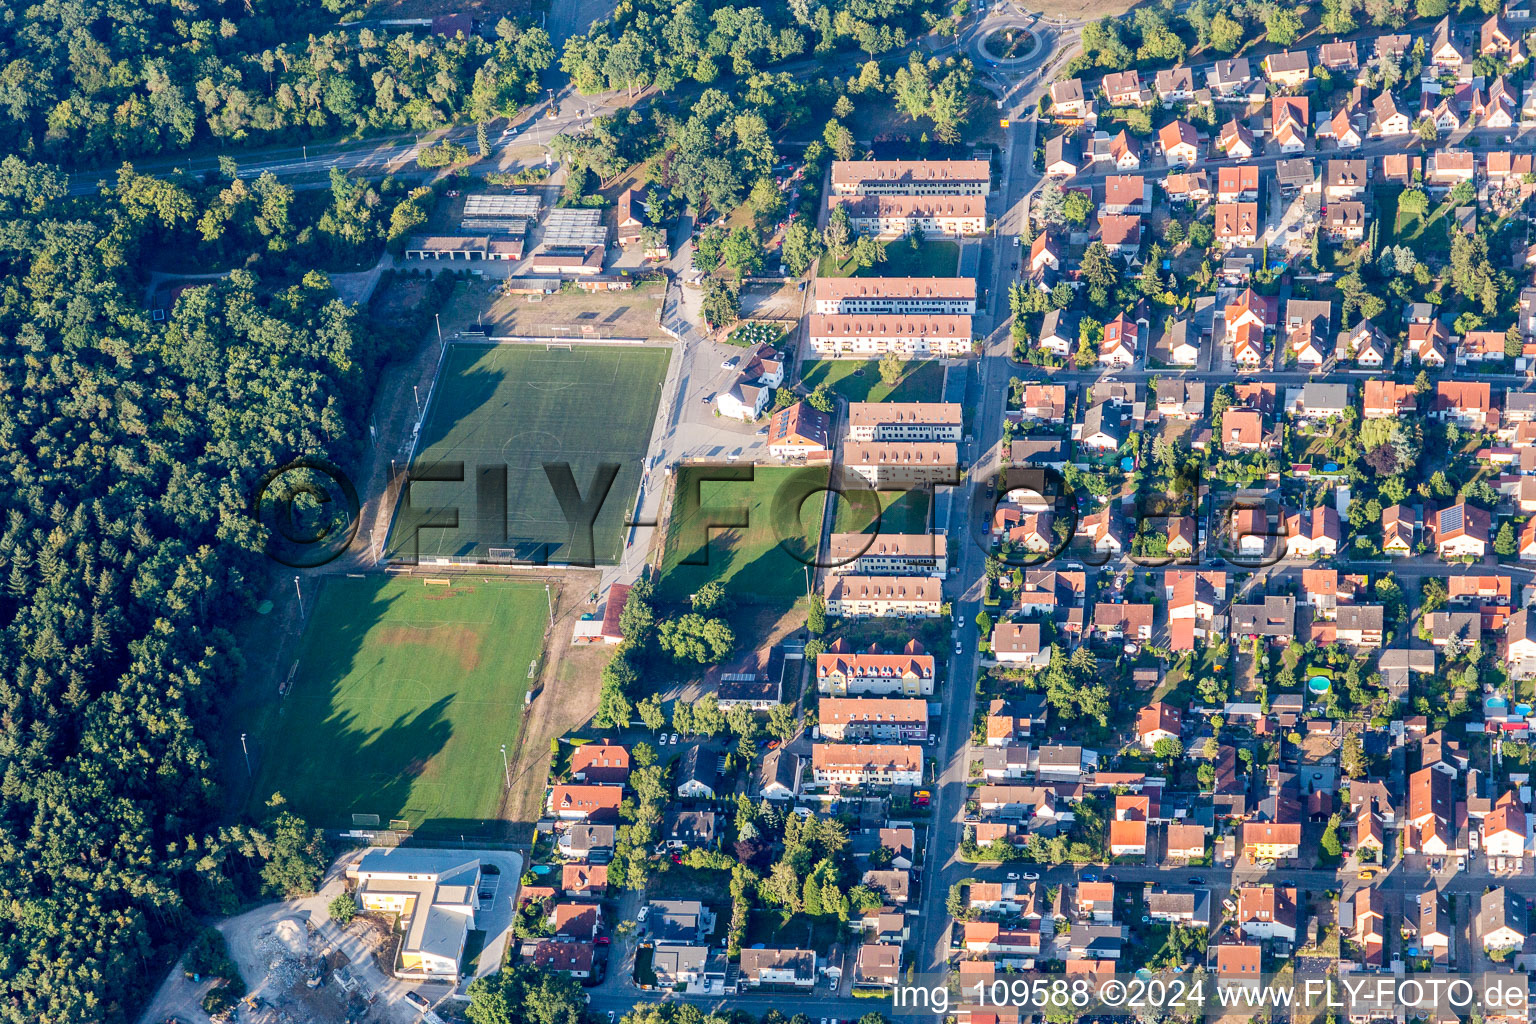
<point x="663" y="43"/>
<point x="87" y="82"/>
<point x="130" y="449"/>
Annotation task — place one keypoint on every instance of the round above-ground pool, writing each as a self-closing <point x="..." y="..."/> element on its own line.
<point x="1522" y="710"/>
<point x="1319" y="685"/>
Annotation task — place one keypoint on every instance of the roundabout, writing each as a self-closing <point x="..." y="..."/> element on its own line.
<point x="1008" y="45"/>
<point x="1011" y="45"/>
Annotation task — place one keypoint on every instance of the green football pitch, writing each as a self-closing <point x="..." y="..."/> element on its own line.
<point x="503" y="419"/>
<point x="404" y="693"/>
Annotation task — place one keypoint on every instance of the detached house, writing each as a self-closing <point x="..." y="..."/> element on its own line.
<point x="1501" y="919"/>
<point x="1444" y="51"/>
<point x="1067" y="99"/>
<point x="1180" y="143"/>
<point x="1267" y="912"/>
<point x="1121" y="343"/>
<point x="1398" y="523"/>
<point x="1366" y="346"/>
<point x="1157" y="721"/>
<point x="1127" y="193"/>
<point x="1339" y="56"/>
<point x="1460" y="531"/>
<point x="1370" y="924"/>
<point x="1345" y="179"/>
<point x="1468" y="404"/>
<point x="1235" y="140"/>
<point x="1288" y="123"/>
<point x="1063" y="156"/>
<point x="1125" y="89"/>
<point x="1429" y="342"/>
<point x="1174" y="85"/>
<point x="1314" y="534"/>
<point x="1230" y="77"/>
<point x="1288" y="70"/>
<point x="1387" y="118"/>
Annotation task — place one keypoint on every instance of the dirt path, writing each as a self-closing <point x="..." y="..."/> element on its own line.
<point x="567" y="696"/>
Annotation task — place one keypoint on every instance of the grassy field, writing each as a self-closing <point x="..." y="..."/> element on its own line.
<point x="1427" y="234"/>
<point x="523" y="408"/>
<point x="900" y="512"/>
<point x="750" y="560"/>
<point x="791" y="930"/>
<point x="929" y="258"/>
<point x="860" y="381"/>
<point x="403" y="696"/>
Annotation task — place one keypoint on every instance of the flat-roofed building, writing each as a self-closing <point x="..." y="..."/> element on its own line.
<point x="447" y="247"/>
<point x="434" y="894"/>
<point x="574" y="260"/>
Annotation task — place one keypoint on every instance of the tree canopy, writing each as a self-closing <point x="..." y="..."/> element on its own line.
<point x="87" y="82"/>
<point x="132" y="448"/>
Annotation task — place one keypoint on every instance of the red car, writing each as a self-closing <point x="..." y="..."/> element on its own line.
<point x="603" y="940"/>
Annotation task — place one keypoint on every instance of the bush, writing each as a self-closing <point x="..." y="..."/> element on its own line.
<point x="208" y="956"/>
<point x="223" y="997"/>
<point x="343" y="909"/>
<point x="442" y="155"/>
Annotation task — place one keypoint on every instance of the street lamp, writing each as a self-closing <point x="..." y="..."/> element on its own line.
<point x="300" y="591"/>
<point x="506" y="766"/>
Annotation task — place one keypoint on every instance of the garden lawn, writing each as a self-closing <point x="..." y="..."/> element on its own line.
<point x="763" y="560"/>
<point x="928" y="258"/>
<point x="1426" y="234"/>
<point x="900" y="512"/>
<point x="860" y="381"/>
